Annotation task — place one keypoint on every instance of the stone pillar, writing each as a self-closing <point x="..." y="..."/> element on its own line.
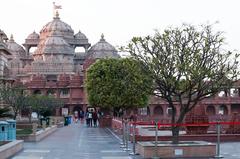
<point x="164" y="107"/>
<point x="50" y="121"/>
<point x="217" y="108"/>
<point x="44" y="92"/>
<point x="44" y="124"/>
<point x="27" y="48"/>
<point x="34" y="129"/>
<point x="58" y="93"/>
<point x="151" y="108"/>
<point x="229" y="109"/>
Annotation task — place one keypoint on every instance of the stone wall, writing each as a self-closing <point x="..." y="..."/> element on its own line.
<point x="10" y="149"/>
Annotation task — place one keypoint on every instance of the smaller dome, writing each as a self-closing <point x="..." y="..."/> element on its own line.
<point x="54" y="44"/>
<point x="3" y="36"/>
<point x="15" y="49"/>
<point x="33" y="35"/>
<point x="103" y="49"/>
<point x="80" y="35"/>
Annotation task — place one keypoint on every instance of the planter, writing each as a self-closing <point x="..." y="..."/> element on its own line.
<point x="184" y="149"/>
<point x="105" y="121"/>
<point x="11" y="148"/>
<point x="39" y="135"/>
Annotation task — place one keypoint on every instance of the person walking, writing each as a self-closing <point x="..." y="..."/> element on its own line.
<point x="95" y="118"/>
<point x="87" y="119"/>
<point x="90" y="116"/>
<point x="81" y="116"/>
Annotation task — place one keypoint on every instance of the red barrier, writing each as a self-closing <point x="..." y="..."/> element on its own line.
<point x="185" y="124"/>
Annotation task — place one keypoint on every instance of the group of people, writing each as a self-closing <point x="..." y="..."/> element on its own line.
<point x="91" y="117"/>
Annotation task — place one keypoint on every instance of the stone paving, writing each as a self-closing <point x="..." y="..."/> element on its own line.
<point x="78" y="141"/>
<point x="75" y="141"/>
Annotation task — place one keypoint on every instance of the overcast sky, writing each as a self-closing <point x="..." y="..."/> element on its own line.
<point x="120" y="20"/>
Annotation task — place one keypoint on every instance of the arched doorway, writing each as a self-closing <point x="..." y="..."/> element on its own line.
<point x="223" y="110"/>
<point x="210" y="110"/>
<point x="76" y="111"/>
<point x="158" y="110"/>
<point x="148" y="110"/>
<point x="37" y="92"/>
<point x="51" y="92"/>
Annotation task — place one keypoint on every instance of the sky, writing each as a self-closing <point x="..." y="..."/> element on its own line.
<point x="120" y="20"/>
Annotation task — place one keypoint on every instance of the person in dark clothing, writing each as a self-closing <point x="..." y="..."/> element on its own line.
<point x="81" y="115"/>
<point x="90" y="118"/>
<point x="87" y="118"/>
<point x="95" y="118"/>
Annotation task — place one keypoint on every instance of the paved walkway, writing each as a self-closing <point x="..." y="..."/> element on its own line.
<point x="75" y="141"/>
<point x="78" y="141"/>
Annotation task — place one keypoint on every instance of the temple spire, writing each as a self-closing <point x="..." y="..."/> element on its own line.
<point x="102" y="37"/>
<point x="55" y="10"/>
<point x="11" y="38"/>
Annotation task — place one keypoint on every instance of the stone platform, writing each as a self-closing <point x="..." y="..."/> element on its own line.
<point x="185" y="149"/>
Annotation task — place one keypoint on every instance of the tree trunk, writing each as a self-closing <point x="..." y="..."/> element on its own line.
<point x="14" y="116"/>
<point x="176" y="128"/>
<point x="175" y="134"/>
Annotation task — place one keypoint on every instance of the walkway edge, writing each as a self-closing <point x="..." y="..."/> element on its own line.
<point x="117" y="137"/>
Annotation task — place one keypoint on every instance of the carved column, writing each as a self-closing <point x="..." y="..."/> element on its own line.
<point x="229" y="109"/>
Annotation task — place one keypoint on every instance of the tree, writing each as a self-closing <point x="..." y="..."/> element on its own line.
<point x="117" y="84"/>
<point x="5" y="112"/>
<point x="15" y="97"/>
<point x="43" y="105"/>
<point x="188" y="64"/>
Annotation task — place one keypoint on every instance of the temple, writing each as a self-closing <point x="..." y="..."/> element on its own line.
<point x="49" y="63"/>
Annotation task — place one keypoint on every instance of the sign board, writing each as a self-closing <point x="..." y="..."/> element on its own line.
<point x="34" y="115"/>
<point x="178" y="152"/>
<point x="64" y="111"/>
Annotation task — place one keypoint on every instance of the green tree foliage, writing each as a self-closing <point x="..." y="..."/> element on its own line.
<point x="43" y="105"/>
<point x="188" y="64"/>
<point x="15" y="97"/>
<point x="118" y="84"/>
<point x="5" y="112"/>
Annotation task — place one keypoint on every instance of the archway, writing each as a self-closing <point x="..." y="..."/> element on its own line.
<point x="76" y="111"/>
<point x="223" y="110"/>
<point x="51" y="92"/>
<point x="235" y="108"/>
<point x="158" y="110"/>
<point x="148" y="110"/>
<point x="37" y="92"/>
<point x="210" y="110"/>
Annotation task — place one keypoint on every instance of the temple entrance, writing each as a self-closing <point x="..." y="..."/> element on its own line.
<point x="78" y="113"/>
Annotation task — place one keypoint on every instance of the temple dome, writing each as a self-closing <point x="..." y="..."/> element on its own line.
<point x="56" y="24"/>
<point x="80" y="35"/>
<point x="33" y="35"/>
<point x="103" y="49"/>
<point x="15" y="49"/>
<point x="54" y="44"/>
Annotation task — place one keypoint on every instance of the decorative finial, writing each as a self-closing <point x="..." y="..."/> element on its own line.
<point x="11" y="38"/>
<point x="55" y="10"/>
<point x="56" y="14"/>
<point x="102" y="37"/>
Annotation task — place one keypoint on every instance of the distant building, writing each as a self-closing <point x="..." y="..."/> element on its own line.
<point x="54" y="67"/>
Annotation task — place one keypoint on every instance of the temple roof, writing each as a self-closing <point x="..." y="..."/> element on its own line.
<point x="56" y="24"/>
<point x="54" y="44"/>
<point x="15" y="49"/>
<point x="103" y="49"/>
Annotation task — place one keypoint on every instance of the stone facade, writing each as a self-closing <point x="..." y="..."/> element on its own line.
<point x="55" y="67"/>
